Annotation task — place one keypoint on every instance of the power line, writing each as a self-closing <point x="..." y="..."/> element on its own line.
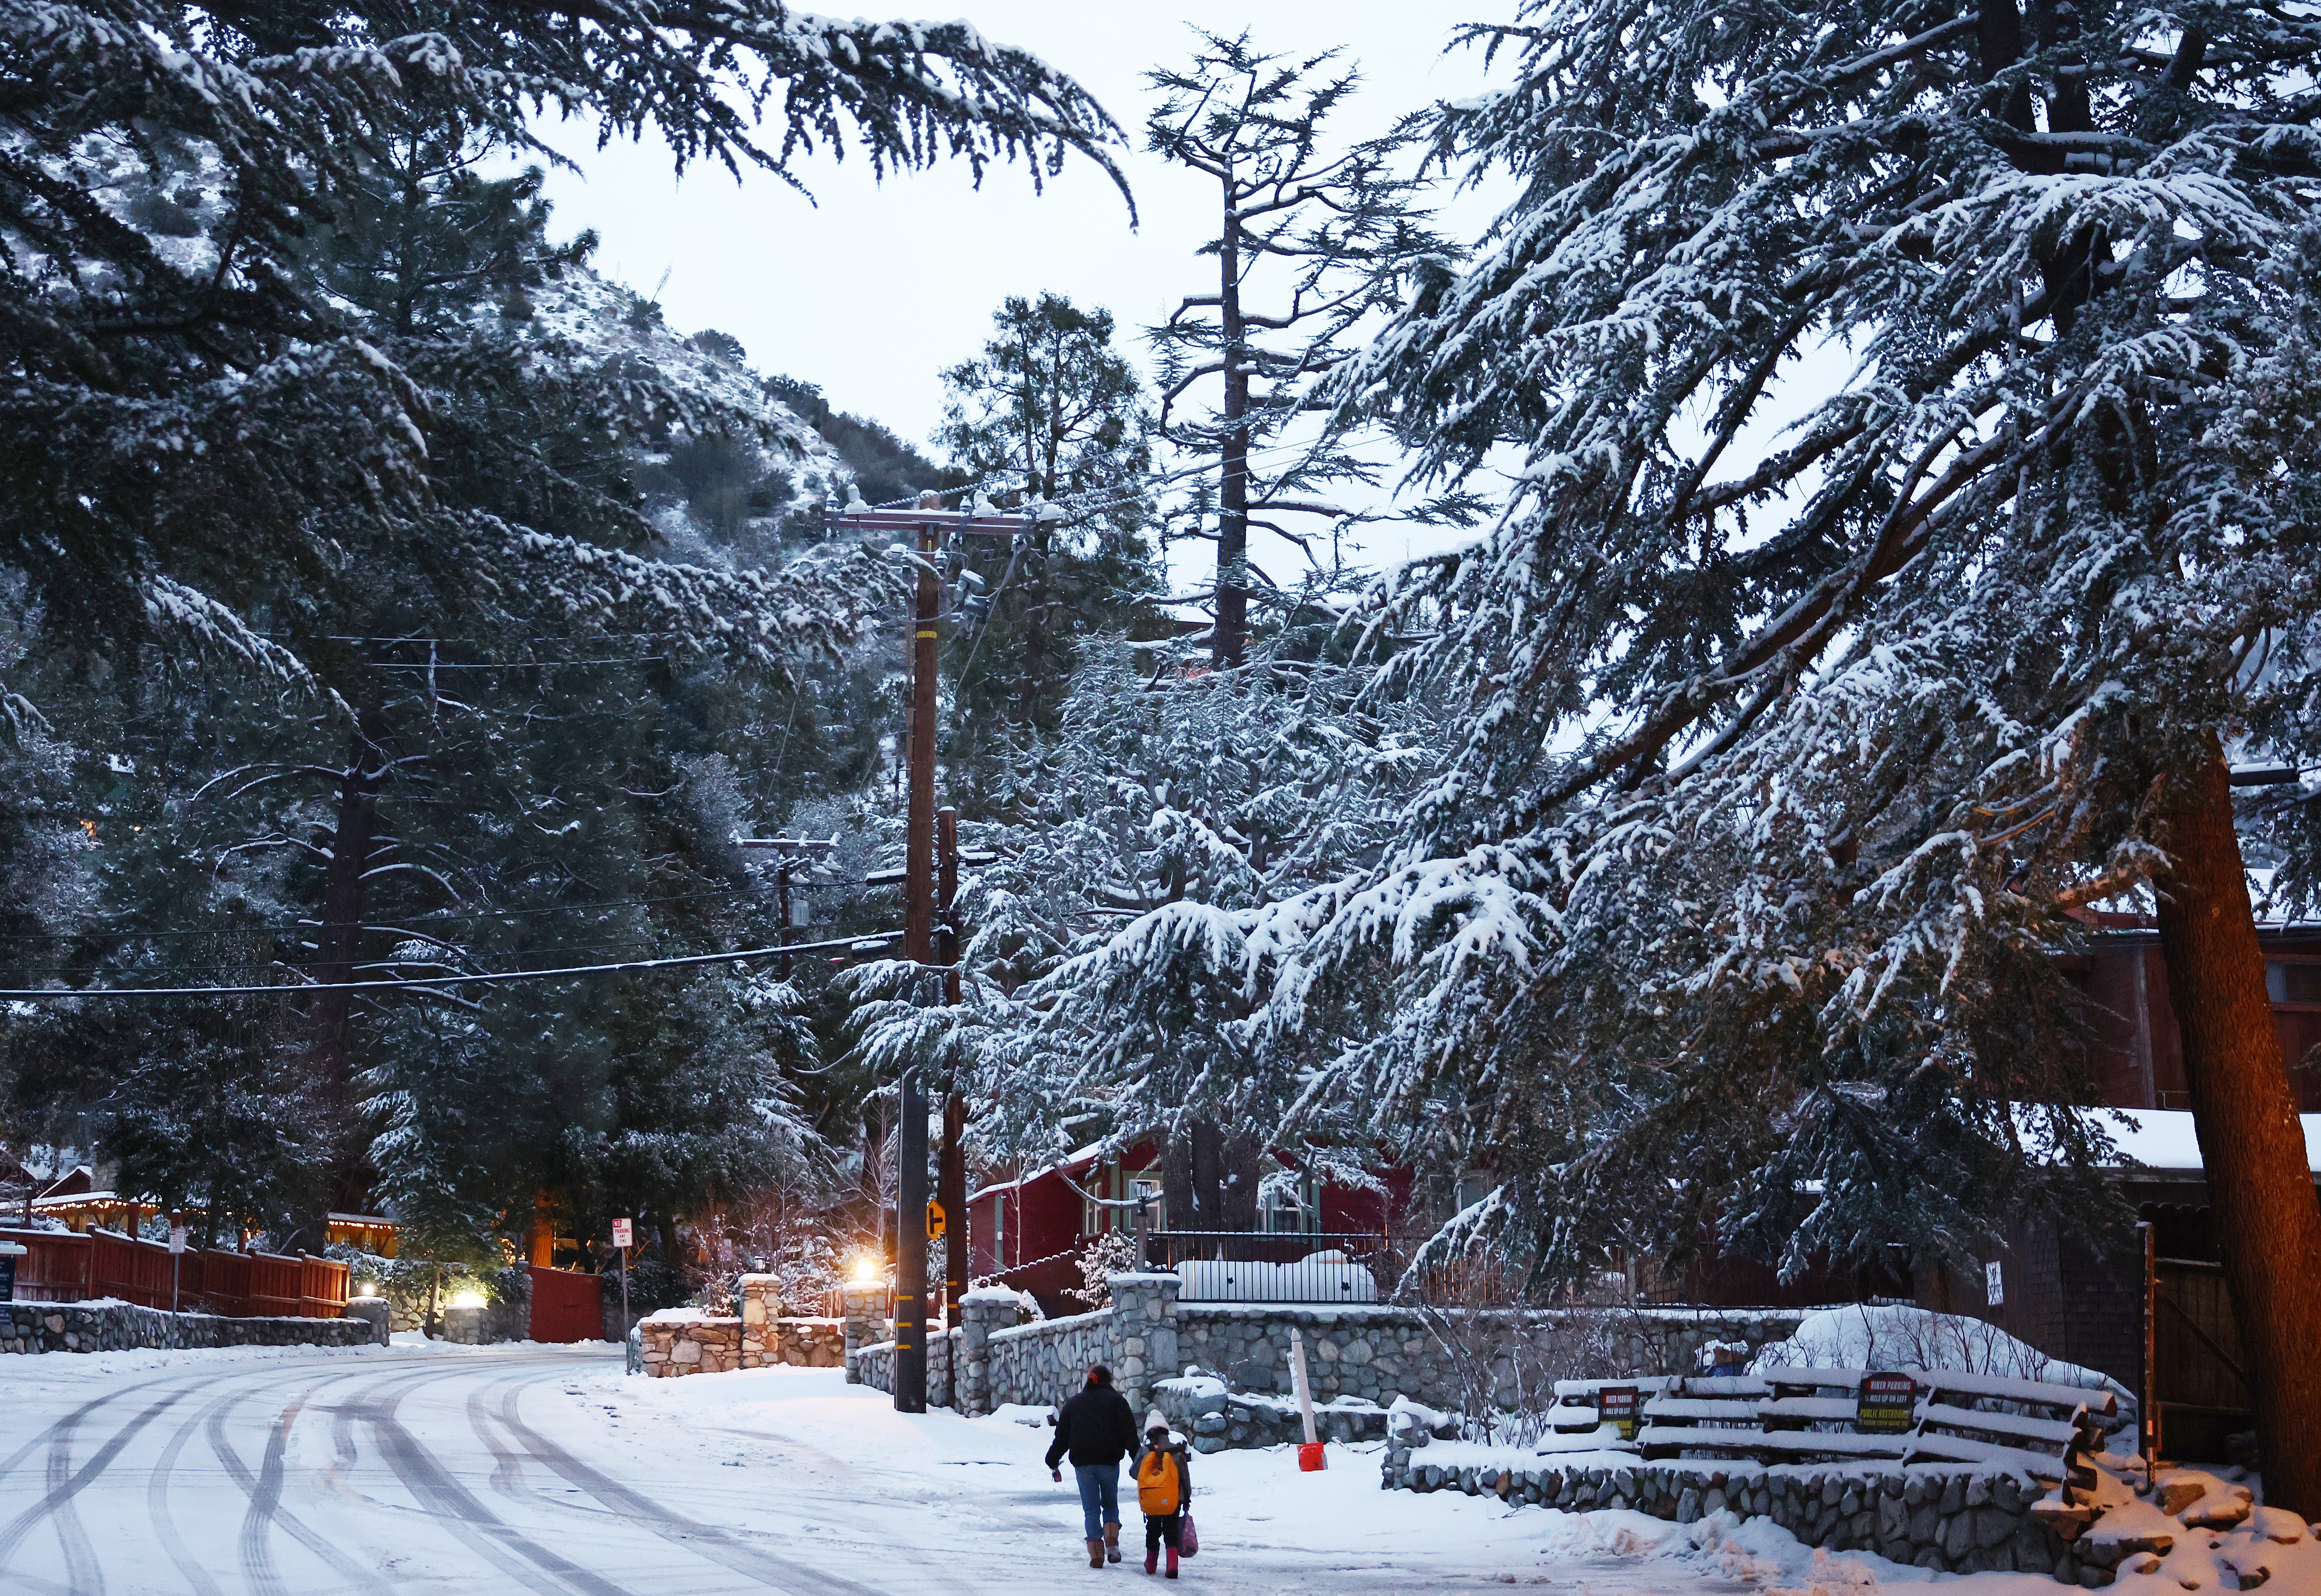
<point x="509" y="664"/>
<point x="490" y="978"/>
<point x="430" y="916"/>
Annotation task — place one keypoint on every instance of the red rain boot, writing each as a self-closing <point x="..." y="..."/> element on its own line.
<point x="1151" y="1559"/>
<point x="1172" y="1563"/>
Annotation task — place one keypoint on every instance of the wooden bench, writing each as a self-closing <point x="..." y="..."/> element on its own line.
<point x="1955" y="1417"/>
<point x="1576" y="1424"/>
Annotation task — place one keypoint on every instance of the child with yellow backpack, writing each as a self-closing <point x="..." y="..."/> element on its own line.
<point x="1164" y="1490"/>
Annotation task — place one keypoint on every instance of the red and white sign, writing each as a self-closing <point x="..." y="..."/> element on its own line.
<point x="622" y="1235"/>
<point x="176" y="1239"/>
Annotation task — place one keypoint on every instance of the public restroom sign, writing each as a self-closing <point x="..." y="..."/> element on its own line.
<point x="1616" y="1404"/>
<point x="1888" y="1405"/>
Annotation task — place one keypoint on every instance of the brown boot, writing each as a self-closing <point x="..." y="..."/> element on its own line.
<point x="1095" y="1554"/>
<point x="1111" y="1543"/>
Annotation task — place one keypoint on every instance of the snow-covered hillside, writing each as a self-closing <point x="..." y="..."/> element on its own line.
<point x="581" y="321"/>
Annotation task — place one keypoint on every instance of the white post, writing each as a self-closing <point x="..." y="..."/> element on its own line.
<point x="1298" y="1379"/>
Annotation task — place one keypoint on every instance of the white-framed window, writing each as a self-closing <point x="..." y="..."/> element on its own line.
<point x="2293" y="981"/>
<point x="1293" y="1208"/>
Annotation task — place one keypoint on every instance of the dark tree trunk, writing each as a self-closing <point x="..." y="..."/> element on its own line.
<point x="2260" y="1189"/>
<point x="1190" y="1175"/>
<point x="1237" y="1172"/>
<point x="337" y="950"/>
<point x="1035" y="625"/>
<point x="1229" y="637"/>
<point x="1177" y="1184"/>
<point x="951" y="1190"/>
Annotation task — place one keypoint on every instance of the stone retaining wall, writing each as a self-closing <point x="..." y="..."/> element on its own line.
<point x="1047" y="1360"/>
<point x="1378" y="1353"/>
<point x="680" y="1341"/>
<point x="1355" y="1357"/>
<point x="117" y="1326"/>
<point x="1217" y="1419"/>
<point x="1933" y="1516"/>
<point x="872" y="1363"/>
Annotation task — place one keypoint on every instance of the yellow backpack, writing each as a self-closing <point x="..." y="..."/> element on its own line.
<point x="1157" y="1492"/>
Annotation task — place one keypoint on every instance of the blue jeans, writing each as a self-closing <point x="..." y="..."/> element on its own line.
<point x="1099" y="1496"/>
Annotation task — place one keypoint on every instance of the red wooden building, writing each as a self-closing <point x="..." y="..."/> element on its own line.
<point x="1030" y="1231"/>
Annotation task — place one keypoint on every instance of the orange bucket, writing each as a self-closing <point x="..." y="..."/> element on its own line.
<point x="1310" y="1460"/>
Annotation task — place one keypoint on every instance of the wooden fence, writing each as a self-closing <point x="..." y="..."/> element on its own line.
<point x="61" y="1267"/>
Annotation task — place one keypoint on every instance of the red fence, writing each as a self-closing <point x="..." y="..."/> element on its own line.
<point x="59" y="1267"/>
<point x="566" y="1306"/>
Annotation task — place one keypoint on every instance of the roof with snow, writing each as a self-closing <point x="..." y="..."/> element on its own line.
<point x="2164" y="1139"/>
<point x="1072" y="1164"/>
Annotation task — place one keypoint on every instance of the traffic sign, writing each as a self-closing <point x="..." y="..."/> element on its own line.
<point x="624" y="1235"/>
<point x="937" y="1221"/>
<point x="176" y="1239"/>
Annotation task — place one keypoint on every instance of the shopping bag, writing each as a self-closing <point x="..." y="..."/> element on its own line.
<point x="1188" y="1539"/>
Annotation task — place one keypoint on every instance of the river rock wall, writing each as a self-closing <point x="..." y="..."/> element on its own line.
<point x="119" y="1327"/>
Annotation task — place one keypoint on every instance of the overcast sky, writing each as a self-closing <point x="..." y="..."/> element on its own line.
<point x="869" y="289"/>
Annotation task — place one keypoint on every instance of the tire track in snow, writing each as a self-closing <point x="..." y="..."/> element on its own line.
<point x="710" y="1541"/>
<point x="499" y="1543"/>
<point x="64" y="1482"/>
<point x="257" y="1520"/>
<point x="165" y="1528"/>
<point x="157" y="1491"/>
<point x="8" y="1464"/>
<point x="266" y="1511"/>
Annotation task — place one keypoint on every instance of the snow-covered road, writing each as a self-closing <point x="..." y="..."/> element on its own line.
<point x="543" y="1469"/>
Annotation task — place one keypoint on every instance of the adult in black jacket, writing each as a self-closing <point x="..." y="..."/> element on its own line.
<point x="1097" y="1429"/>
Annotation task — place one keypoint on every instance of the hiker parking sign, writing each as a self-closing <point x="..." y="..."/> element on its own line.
<point x="1888" y="1405"/>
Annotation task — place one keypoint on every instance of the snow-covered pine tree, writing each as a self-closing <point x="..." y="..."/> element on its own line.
<point x="251" y="414"/>
<point x="1167" y="853"/>
<point x="1050" y="410"/>
<point x="1321" y="239"/>
<point x="169" y="164"/>
<point x="1735" y="909"/>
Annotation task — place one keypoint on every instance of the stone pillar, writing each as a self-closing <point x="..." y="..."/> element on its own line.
<point x="375" y="1309"/>
<point x="761" y="1306"/>
<point x="864" y="1304"/>
<point x="465" y="1325"/>
<point x="981" y="1311"/>
<point x="1143" y="1334"/>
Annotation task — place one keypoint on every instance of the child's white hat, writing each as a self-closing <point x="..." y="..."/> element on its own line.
<point x="1155" y="1421"/>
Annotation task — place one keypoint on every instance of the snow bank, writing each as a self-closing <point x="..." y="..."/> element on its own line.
<point x="2197" y="1531"/>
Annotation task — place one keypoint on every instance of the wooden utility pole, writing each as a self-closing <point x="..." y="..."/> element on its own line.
<point x="918" y="947"/>
<point x="927" y="526"/>
<point x="788" y="852"/>
<point x="950" y="1174"/>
